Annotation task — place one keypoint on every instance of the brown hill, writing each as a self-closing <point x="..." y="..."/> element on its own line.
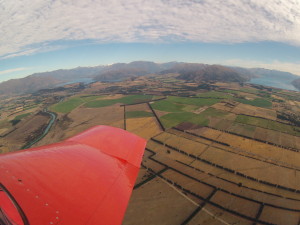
<point x="203" y="73"/>
<point x="121" y="71"/>
<point x="28" y="84"/>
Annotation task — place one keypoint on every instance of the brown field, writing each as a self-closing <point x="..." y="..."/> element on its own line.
<point x="273" y="137"/>
<point x="210" y="215"/>
<point x="230" y="202"/>
<point x="241" y="129"/>
<point x="210" y="133"/>
<point x="277" y="216"/>
<point x="81" y="119"/>
<point x="248" y="95"/>
<point x="297" y="142"/>
<point x="254" y="168"/>
<point x="260" y="133"/>
<point x="191" y="147"/>
<point x="201" y="189"/>
<point x="27" y="130"/>
<point x="148" y="205"/>
<point x="224" y="124"/>
<point x="214" y="121"/>
<point x="261" y="149"/>
<point x="222" y="106"/>
<point x="139" y="107"/>
<point x="143" y="175"/>
<point x="289" y="141"/>
<point x="248" y="166"/>
<point x="203" y="176"/>
<point x="143" y="127"/>
<point x="255" y="111"/>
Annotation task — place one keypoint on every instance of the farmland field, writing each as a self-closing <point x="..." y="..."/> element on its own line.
<point x="259" y="102"/>
<point x="217" y="152"/>
<point x="173" y="119"/>
<point x="268" y="124"/>
<point x="144" y="127"/>
<point x="131" y="99"/>
<point x="167" y="106"/>
<point x="67" y="106"/>
<point x="138" y="114"/>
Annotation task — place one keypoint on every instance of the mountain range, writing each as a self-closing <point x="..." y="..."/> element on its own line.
<point x="195" y="72"/>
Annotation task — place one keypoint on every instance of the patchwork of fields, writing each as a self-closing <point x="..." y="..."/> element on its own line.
<point x="220" y="153"/>
<point x="214" y="159"/>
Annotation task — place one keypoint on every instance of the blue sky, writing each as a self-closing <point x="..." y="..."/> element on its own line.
<point x="47" y="35"/>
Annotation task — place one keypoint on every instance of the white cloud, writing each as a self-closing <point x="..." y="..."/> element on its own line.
<point x="13" y="70"/>
<point x="24" y="24"/>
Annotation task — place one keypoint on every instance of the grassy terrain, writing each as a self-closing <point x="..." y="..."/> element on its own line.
<point x="167" y="106"/>
<point x="232" y="91"/>
<point x="88" y="98"/>
<point x="214" y="94"/>
<point x="67" y="106"/>
<point x="173" y="119"/>
<point x="124" y="100"/>
<point x="213" y="113"/>
<point x="138" y="114"/>
<point x="258" y="102"/>
<point x="193" y="101"/>
<point x="100" y="103"/>
<point x="181" y="104"/>
<point x="72" y="103"/>
<point x="268" y="124"/>
<point x="19" y="117"/>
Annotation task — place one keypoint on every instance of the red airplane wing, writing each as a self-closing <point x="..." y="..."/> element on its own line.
<point x="85" y="180"/>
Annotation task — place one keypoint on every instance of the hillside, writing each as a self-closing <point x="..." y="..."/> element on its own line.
<point x="121" y="71"/>
<point x="296" y="83"/>
<point x="205" y="73"/>
<point x="28" y="84"/>
<point x="192" y="72"/>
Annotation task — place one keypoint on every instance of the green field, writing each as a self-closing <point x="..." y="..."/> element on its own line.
<point x="193" y="101"/>
<point x="232" y="91"/>
<point x="167" y="106"/>
<point x="181" y="104"/>
<point x="67" y="106"/>
<point x="130" y="99"/>
<point x="138" y="114"/>
<point x="173" y="119"/>
<point x="72" y="103"/>
<point x="213" y="113"/>
<point x="100" y="103"/>
<point x="88" y="98"/>
<point x="19" y="117"/>
<point x="258" y="102"/>
<point x="268" y="124"/>
<point x="214" y="94"/>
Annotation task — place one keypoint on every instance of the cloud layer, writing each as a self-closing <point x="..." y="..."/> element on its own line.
<point x="32" y="26"/>
<point x="12" y="70"/>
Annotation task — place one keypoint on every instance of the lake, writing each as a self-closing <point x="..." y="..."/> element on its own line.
<point x="275" y="82"/>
